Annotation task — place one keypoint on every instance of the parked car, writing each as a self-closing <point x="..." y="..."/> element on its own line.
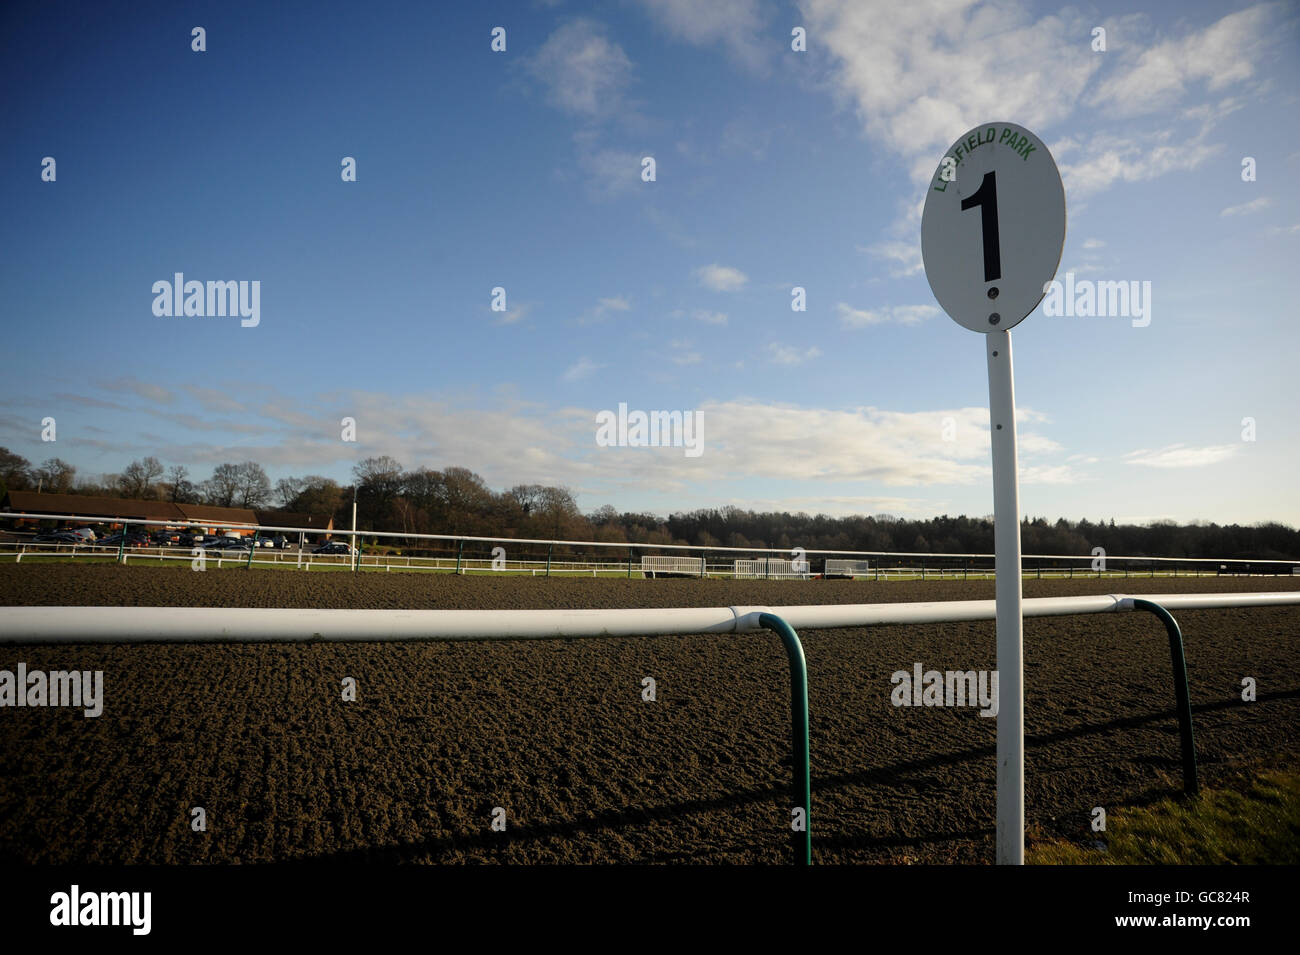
<point x="226" y="543"/>
<point x="56" y="537"/>
<point x="84" y="534"/>
<point x="115" y="540"/>
<point x="334" y="547"/>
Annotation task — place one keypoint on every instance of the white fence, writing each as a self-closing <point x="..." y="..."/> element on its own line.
<point x="622" y="559"/>
<point x="676" y="566"/>
<point x="846" y="568"/>
<point x="770" y="567"/>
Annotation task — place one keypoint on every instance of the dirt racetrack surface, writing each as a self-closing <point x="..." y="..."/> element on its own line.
<point x="556" y="732"/>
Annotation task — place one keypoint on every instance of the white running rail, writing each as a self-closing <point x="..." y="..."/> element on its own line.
<point x="240" y="625"/>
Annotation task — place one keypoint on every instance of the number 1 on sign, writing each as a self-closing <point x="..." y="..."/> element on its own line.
<point x="986" y="197"/>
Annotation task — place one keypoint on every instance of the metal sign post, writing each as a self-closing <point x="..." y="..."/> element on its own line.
<point x="991" y="237"/>
<point x="1008" y="590"/>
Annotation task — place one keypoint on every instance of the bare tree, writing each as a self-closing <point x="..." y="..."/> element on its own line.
<point x="288" y="489"/>
<point x="56" y="475"/>
<point x="254" y="485"/>
<point x="319" y="495"/>
<point x="221" y="488"/>
<point x="466" y="491"/>
<point x="381" y="476"/>
<point x="560" y="510"/>
<point x="137" y="479"/>
<point x="15" y="471"/>
<point x="379" y="482"/>
<point x="180" y="489"/>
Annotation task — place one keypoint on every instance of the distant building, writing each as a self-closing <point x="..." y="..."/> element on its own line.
<point x="116" y="511"/>
<point x="319" y="525"/>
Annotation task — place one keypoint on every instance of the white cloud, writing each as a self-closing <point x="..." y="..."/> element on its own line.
<point x="709" y="318"/>
<point x="610" y="173"/>
<point x="687" y="358"/>
<point x="1224" y="53"/>
<point x="510" y="441"/>
<point x="602" y="308"/>
<point x="851" y="317"/>
<point x="790" y="354"/>
<point x="1181" y="456"/>
<point x="925" y="71"/>
<point x="131" y="385"/>
<point x="930" y="69"/>
<point x="721" y="278"/>
<point x="580" y="369"/>
<point x="1048" y="474"/>
<point x="738" y="25"/>
<point x="1285" y="230"/>
<point x="859" y="444"/>
<point x="839" y="505"/>
<point x="584" y="72"/>
<point x="1110" y="159"/>
<point x="669" y="225"/>
<point x="1093" y="244"/>
<point x="1246" y="208"/>
<point x="905" y="257"/>
<point x="515" y="314"/>
<point x="1082" y="268"/>
<point x="213" y="399"/>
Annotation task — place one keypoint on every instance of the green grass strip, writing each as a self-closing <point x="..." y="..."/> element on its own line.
<point x="1257" y="825"/>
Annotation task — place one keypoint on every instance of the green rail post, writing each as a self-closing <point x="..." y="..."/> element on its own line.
<point x="251" y="551"/>
<point x="1181" y="695"/>
<point x="629" y="563"/>
<point x="549" y="549"/>
<point x="460" y="549"/>
<point x="121" y="545"/>
<point x="704" y="562"/>
<point x="799" y="728"/>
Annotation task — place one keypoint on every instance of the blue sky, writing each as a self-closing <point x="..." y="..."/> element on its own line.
<point x="774" y="169"/>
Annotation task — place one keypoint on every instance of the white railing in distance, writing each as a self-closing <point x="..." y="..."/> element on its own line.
<point x="846" y="568"/>
<point x="680" y="566"/>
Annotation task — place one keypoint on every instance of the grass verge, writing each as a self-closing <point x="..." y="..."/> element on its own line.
<point x="1257" y="824"/>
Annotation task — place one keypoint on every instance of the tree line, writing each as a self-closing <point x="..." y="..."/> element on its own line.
<point x="456" y="501"/>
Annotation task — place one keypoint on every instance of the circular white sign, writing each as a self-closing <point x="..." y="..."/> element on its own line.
<point x="993" y="226"/>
